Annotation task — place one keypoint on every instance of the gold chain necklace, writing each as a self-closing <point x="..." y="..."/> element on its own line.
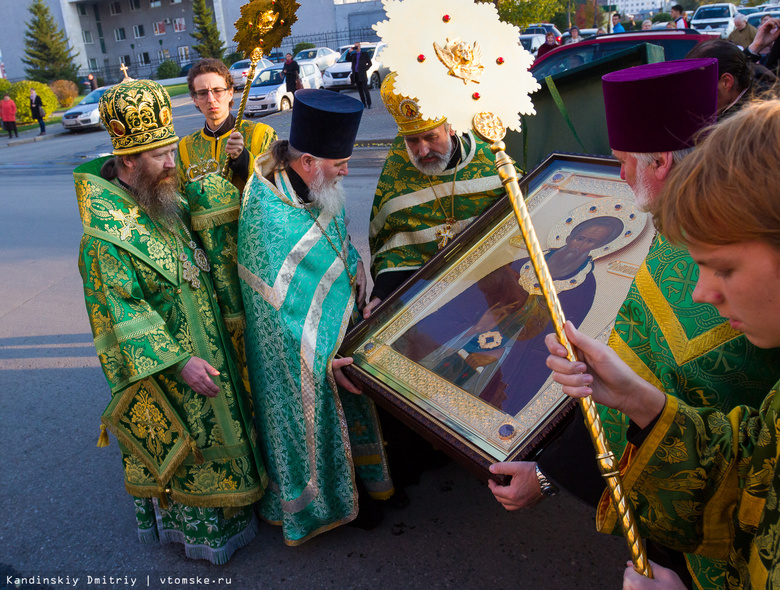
<point x="447" y="233"/>
<point x="338" y="252"/>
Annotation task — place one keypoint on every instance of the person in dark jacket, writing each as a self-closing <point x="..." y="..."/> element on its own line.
<point x="290" y="72"/>
<point x="36" y="109"/>
<point x="766" y="36"/>
<point x="361" y="62"/>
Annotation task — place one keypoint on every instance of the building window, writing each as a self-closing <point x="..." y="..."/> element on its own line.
<point x="125" y="59"/>
<point x="86" y="36"/>
<point x="159" y="27"/>
<point x="163" y="54"/>
<point x="178" y="25"/>
<point x="155" y="3"/>
<point x="115" y="8"/>
<point x="143" y="58"/>
<point x="135" y="5"/>
<point x="83" y="9"/>
<point x="184" y="53"/>
<point x="138" y="31"/>
<point x="175" y="1"/>
<point x="92" y="64"/>
<point x="119" y="34"/>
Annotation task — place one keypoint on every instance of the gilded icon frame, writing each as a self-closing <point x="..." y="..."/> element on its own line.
<point x="397" y="351"/>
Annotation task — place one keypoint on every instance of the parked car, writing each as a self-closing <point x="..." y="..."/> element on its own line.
<point x="748" y="10"/>
<point x="755" y="19"/>
<point x="531" y="43"/>
<point x="676" y="44"/>
<point x="336" y="77"/>
<point x="714" y="19"/>
<point x="324" y="57"/>
<point x="584" y="33"/>
<point x="543" y="29"/>
<point x="240" y="70"/>
<point x="268" y="93"/>
<point x="185" y="69"/>
<point x="85" y="115"/>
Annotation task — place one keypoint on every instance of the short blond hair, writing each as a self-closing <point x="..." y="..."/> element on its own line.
<point x="726" y="191"/>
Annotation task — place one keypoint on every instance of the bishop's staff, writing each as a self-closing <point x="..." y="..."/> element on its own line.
<point x="262" y="26"/>
<point x="462" y="63"/>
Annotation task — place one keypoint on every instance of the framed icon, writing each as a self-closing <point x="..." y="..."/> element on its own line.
<point x="458" y="352"/>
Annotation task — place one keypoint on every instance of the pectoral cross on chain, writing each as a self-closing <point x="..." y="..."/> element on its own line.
<point x="446" y="234"/>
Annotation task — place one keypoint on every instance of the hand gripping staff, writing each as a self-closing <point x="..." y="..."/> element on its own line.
<point x="262" y="26"/>
<point x="460" y="62"/>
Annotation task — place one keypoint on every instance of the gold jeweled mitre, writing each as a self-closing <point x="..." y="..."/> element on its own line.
<point x="138" y="117"/>
<point x="405" y="110"/>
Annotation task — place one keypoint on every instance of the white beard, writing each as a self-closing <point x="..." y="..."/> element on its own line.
<point x="643" y="196"/>
<point x="432" y="168"/>
<point x="327" y="196"/>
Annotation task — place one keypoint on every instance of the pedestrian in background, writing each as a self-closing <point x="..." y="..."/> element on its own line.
<point x="290" y="72"/>
<point x="8" y="113"/>
<point x="36" y="110"/>
<point x="361" y="62"/>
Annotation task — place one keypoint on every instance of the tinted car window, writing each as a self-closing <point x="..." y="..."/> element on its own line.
<point x="94" y="96"/>
<point x="712" y="12"/>
<point x="308" y="54"/>
<point x="269" y="78"/>
<point x="673" y="49"/>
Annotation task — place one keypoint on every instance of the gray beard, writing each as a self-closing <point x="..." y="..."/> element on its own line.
<point x="432" y="168"/>
<point x="642" y="196"/>
<point x="328" y="197"/>
<point x="160" y="200"/>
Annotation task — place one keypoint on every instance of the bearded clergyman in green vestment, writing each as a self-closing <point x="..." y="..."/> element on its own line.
<point x="178" y="407"/>
<point x="299" y="274"/>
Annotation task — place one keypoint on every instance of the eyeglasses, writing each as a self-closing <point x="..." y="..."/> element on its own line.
<point x="217" y="92"/>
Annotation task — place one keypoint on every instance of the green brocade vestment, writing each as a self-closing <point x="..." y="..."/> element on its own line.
<point x="707" y="482"/>
<point x="688" y="350"/>
<point x="151" y="309"/>
<point x="214" y="204"/>
<point x="298" y="300"/>
<point x="410" y="211"/>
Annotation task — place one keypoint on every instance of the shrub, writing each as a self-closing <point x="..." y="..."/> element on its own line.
<point x="5" y="87"/>
<point x="65" y="91"/>
<point x="168" y="69"/>
<point x="20" y="93"/>
<point x="301" y="46"/>
<point x="232" y="58"/>
<point x="661" y="17"/>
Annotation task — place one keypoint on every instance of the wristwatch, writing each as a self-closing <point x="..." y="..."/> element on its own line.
<point x="548" y="488"/>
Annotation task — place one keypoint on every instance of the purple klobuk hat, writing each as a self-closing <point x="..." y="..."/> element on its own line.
<point x="659" y="107"/>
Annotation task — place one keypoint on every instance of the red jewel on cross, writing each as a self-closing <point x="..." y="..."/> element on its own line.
<point x="446" y="18"/>
<point x="421" y="58"/>
<point x="500" y="60"/>
<point x="475" y="96"/>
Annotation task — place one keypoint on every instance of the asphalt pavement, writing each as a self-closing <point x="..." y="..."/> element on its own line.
<point x="67" y="520"/>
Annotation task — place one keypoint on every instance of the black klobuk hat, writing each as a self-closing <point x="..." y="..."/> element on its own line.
<point x="325" y="123"/>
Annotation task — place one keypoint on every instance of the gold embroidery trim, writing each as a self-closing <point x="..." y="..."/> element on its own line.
<point x="683" y="349"/>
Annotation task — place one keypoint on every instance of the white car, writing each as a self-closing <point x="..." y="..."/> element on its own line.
<point x="531" y="42"/>
<point x="336" y="77"/>
<point x="324" y="57"/>
<point x="85" y="114"/>
<point x="268" y="93"/>
<point x="714" y="19"/>
<point x="240" y="70"/>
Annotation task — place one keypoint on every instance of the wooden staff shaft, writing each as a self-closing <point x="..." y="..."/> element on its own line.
<point x="604" y="456"/>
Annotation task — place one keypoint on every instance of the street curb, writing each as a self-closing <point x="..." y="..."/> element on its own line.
<point x="23" y="140"/>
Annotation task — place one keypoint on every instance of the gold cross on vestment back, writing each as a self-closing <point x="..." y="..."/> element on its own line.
<point x="130" y="222"/>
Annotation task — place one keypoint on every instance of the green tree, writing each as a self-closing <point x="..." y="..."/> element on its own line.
<point x="524" y="12"/>
<point x="46" y="51"/>
<point x="206" y="32"/>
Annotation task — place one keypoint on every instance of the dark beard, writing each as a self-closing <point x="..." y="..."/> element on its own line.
<point x="158" y="196"/>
